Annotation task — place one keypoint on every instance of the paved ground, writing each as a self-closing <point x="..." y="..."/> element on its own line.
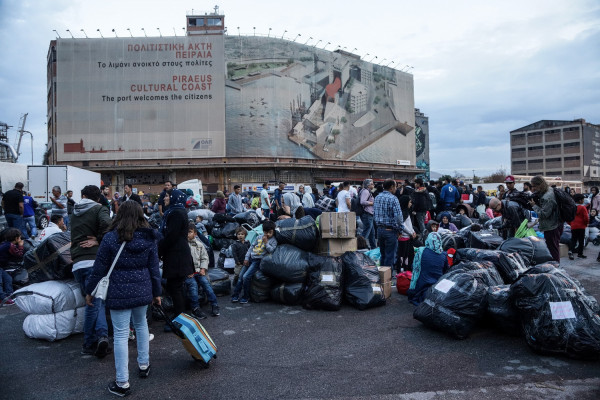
<point x="269" y="351"/>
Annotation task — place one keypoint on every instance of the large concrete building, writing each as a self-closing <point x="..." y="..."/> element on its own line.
<point x="566" y="149"/>
<point x="226" y="109"/>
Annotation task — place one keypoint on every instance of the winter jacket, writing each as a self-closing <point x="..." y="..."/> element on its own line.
<point x="89" y="219"/>
<point x="449" y="194"/>
<point x="595" y="202"/>
<point x="259" y="248"/>
<point x="547" y="211"/>
<point x="10" y="252"/>
<point x="173" y="248"/>
<point x="219" y="205"/>
<point x="239" y="249"/>
<point x="582" y="218"/>
<point x="135" y="280"/>
<point x="421" y="201"/>
<point x="199" y="255"/>
<point x="513" y="215"/>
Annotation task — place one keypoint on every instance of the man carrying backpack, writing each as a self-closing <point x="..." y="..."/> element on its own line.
<point x="548" y="214"/>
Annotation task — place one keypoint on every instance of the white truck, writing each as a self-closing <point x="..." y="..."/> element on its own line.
<point x="42" y="178"/>
<point x="11" y="173"/>
<point x="195" y="185"/>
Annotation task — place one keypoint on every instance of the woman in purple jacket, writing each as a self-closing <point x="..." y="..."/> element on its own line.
<point x="134" y="284"/>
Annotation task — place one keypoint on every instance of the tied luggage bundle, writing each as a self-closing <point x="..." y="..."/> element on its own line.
<point x="454" y="304"/>
<point x="288" y="293"/>
<point x="532" y="249"/>
<point x="486" y="239"/>
<point x="557" y="315"/>
<point x="324" y="288"/>
<point x="219" y="280"/>
<point x="362" y="286"/>
<point x="508" y="265"/>
<point x="260" y="287"/>
<point x="224" y="230"/>
<point x="501" y="310"/>
<point x="248" y="217"/>
<point x="287" y="264"/>
<point x="452" y="241"/>
<point x="56" y="309"/>
<point x="484" y="270"/>
<point x="302" y="233"/>
<point x="50" y="260"/>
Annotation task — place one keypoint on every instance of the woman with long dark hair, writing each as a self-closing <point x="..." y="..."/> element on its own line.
<point x="134" y="284"/>
<point x="595" y="199"/>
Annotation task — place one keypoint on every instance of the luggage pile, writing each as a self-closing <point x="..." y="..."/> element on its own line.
<point x="319" y="268"/>
<point x="518" y="289"/>
<point x="55" y="308"/>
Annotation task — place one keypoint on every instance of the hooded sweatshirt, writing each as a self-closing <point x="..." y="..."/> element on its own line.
<point x="89" y="219"/>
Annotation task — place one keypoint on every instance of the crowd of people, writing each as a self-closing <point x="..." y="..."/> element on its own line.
<point x="405" y="220"/>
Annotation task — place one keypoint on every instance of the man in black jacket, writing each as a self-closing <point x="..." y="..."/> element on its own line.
<point x="421" y="203"/>
<point x="513" y="215"/>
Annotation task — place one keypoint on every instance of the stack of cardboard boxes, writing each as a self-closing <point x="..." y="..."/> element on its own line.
<point x="338" y="233"/>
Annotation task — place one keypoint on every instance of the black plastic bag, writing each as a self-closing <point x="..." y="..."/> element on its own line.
<point x="485" y="270"/>
<point x="511" y="266"/>
<point x="248" y="217"/>
<point x="501" y="311"/>
<point x="452" y="241"/>
<point x="461" y="221"/>
<point x="50" y="260"/>
<point x="260" y="287"/>
<point x="487" y="240"/>
<point x="494" y="223"/>
<point x="225" y="231"/>
<point x="287" y="293"/>
<point x="454" y="305"/>
<point x="470" y="254"/>
<point x="302" y="233"/>
<point x="557" y="315"/>
<point x="222" y="243"/>
<point x="287" y="264"/>
<point x="219" y="280"/>
<point x="362" y="288"/>
<point x="325" y="283"/>
<point x="533" y="250"/>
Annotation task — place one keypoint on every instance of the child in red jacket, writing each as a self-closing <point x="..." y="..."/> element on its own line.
<point x="578" y="226"/>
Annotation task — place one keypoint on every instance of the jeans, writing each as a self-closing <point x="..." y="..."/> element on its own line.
<point x="192" y="290"/>
<point x="17" y="221"/>
<point x="388" y="245"/>
<point x="420" y="219"/>
<point x="94" y="325"/>
<point x="120" y="321"/>
<point x="31" y="222"/>
<point x="266" y="212"/>
<point x="246" y="278"/>
<point x="368" y="231"/>
<point x="6" y="287"/>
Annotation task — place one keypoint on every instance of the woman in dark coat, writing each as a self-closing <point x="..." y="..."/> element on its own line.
<point x="220" y="204"/>
<point x="134" y="283"/>
<point x="174" y="250"/>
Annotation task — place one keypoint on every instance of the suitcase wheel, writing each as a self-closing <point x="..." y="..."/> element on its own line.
<point x="201" y="362"/>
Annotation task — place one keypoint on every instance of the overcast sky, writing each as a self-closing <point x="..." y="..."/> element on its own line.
<point x="481" y="68"/>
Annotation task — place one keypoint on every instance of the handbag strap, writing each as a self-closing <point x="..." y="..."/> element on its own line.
<point x="115" y="260"/>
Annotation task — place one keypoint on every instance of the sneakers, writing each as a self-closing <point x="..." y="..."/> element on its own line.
<point x="235" y="299"/>
<point x="571" y="256"/>
<point x="215" y="311"/>
<point x="144" y="372"/>
<point x="88" y="351"/>
<point x="150" y="337"/>
<point x="102" y="348"/>
<point x="118" y="390"/>
<point x="243" y="301"/>
<point x="9" y="302"/>
<point x="198" y="313"/>
<point x="581" y="256"/>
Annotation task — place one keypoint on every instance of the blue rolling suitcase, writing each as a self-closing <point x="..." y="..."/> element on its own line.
<point x="194" y="337"/>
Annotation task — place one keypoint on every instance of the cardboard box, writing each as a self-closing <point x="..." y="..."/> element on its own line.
<point x="385" y="277"/>
<point x="336" y="247"/>
<point x="338" y="225"/>
<point x="564" y="250"/>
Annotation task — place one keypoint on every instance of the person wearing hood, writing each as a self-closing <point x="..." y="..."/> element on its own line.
<point x="446" y="224"/>
<point x="307" y="198"/>
<point x="429" y="265"/>
<point x="175" y="252"/>
<point x="220" y="204"/>
<point x="89" y="223"/>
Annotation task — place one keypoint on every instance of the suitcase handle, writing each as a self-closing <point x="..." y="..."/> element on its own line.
<point x="167" y="319"/>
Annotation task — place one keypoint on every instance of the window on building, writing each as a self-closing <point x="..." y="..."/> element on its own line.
<point x="551" y="131"/>
<point x="572" y="144"/>
<point x="518" y="150"/>
<point x="553" y="159"/>
<point x="535" y="148"/>
<point x="214" y="22"/>
<point x="530" y="134"/>
<point x="571" y="129"/>
<point x="196" y="21"/>
<point x="519" y="163"/>
<point x="553" y="146"/>
<point x="573" y="172"/>
<point x="572" y="158"/>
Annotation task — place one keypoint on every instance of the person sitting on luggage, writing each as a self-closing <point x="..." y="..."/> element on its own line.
<point x="200" y="226"/>
<point x="239" y="249"/>
<point x="56" y="225"/>
<point x="11" y="250"/>
<point x="429" y="265"/>
<point x="262" y="246"/>
<point x="200" y="276"/>
<point x="446" y="224"/>
<point x="291" y="206"/>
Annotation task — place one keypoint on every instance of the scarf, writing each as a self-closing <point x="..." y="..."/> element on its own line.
<point x="433" y="243"/>
<point x="177" y="201"/>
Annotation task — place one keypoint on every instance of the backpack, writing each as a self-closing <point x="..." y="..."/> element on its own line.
<point x="566" y="205"/>
<point x="433" y="201"/>
<point x="355" y="205"/>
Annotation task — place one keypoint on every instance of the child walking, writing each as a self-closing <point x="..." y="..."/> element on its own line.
<point x="263" y="245"/>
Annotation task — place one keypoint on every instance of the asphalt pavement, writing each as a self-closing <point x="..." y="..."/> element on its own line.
<point x="271" y="351"/>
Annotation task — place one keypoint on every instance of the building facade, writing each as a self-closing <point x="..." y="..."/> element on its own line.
<point x="226" y="109"/>
<point x="566" y="149"/>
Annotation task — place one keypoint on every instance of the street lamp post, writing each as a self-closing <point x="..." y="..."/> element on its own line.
<point x="284" y="32"/>
<point x="296" y="38"/>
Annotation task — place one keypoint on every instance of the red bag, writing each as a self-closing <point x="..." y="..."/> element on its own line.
<point x="403" y="282"/>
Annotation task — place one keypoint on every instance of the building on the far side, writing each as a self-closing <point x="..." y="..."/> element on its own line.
<point x="422" y="144"/>
<point x="566" y="149"/>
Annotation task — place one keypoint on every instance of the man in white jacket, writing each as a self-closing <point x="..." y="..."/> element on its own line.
<point x="56" y="225"/>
